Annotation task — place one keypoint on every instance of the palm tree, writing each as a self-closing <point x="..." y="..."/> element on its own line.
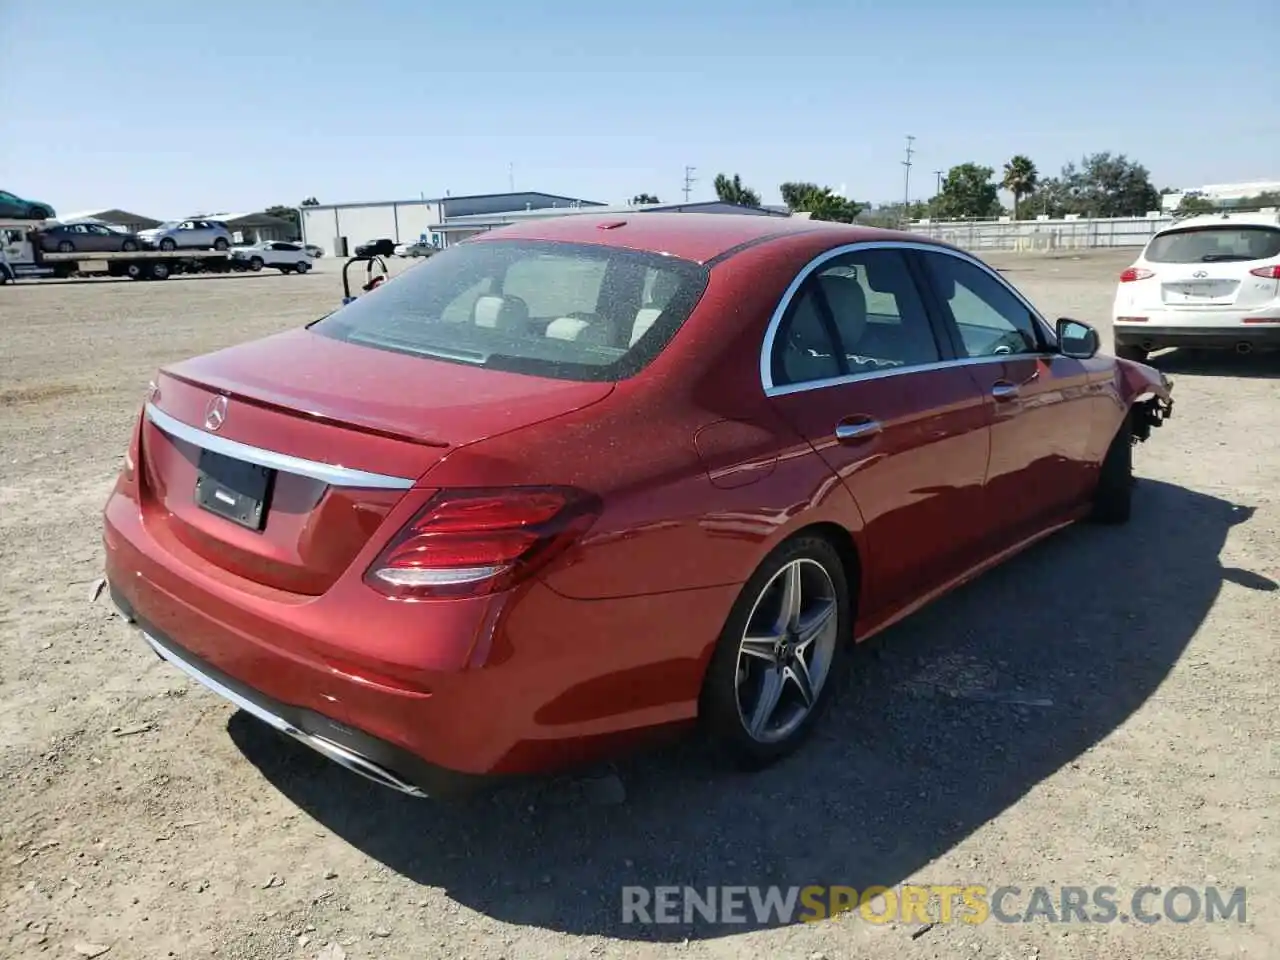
<point x="732" y="191"/>
<point x="1020" y="179"/>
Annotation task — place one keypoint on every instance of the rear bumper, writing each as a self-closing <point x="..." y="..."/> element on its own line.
<point x="372" y="758"/>
<point x="548" y="682"/>
<point x="1154" y="336"/>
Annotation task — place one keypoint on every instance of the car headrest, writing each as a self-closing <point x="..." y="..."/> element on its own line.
<point x="501" y="313"/>
<point x="665" y="284"/>
<point x="848" y="302"/>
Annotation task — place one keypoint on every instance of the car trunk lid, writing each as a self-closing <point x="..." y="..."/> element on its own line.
<point x="278" y="460"/>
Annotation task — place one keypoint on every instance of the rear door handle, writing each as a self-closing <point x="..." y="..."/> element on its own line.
<point x="852" y="431"/>
<point x="1003" y="390"/>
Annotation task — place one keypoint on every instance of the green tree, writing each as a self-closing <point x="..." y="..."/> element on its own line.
<point x="821" y="203"/>
<point x="1191" y="206"/>
<point x="733" y="191"/>
<point x="1269" y="198"/>
<point x="968" y="192"/>
<point x="640" y="199"/>
<point x="1020" y="178"/>
<point x="1109" y="185"/>
<point x="310" y="202"/>
<point x="287" y="213"/>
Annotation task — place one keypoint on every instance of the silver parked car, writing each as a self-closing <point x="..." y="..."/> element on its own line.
<point x="194" y="234"/>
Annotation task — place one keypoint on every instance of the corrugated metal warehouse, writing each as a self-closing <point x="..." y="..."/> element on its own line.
<point x="339" y="228"/>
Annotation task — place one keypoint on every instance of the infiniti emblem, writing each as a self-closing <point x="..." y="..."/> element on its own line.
<point x="215" y="415"/>
<point x="1200" y="274"/>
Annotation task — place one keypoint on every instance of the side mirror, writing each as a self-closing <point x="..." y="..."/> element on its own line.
<point x="1076" y="339"/>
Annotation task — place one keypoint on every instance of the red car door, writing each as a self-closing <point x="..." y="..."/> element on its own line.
<point x="862" y="371"/>
<point x="1041" y="403"/>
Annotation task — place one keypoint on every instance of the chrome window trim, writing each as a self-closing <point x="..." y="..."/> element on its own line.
<point x="771" y="332"/>
<point x="334" y="476"/>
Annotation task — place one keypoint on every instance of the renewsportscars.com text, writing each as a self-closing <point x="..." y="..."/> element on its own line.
<point x="932" y="903"/>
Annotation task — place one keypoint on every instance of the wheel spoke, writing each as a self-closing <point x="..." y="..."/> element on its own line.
<point x="814" y="621"/>
<point x="797" y="671"/>
<point x="789" y="608"/>
<point x="771" y="684"/>
<point x="760" y="648"/>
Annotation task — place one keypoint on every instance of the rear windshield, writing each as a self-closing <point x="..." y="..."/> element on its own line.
<point x="568" y="311"/>
<point x="1215" y="244"/>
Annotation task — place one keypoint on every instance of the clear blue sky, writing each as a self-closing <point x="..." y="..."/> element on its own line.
<point x="165" y="108"/>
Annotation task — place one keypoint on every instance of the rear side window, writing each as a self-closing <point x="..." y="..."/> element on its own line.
<point x="1215" y="244"/>
<point x="859" y="313"/>
<point x="568" y="311"/>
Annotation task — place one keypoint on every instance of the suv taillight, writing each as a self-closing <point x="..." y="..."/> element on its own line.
<point x="1135" y="273"/>
<point x="481" y="541"/>
<point x="1268" y="273"/>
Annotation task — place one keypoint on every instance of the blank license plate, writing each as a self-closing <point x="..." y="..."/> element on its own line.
<point x="234" y="489"/>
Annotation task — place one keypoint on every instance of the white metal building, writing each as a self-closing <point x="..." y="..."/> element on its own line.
<point x="339" y="228"/>
<point x="1223" y="194"/>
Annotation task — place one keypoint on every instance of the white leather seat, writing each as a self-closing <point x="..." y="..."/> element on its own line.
<point x="665" y="284"/>
<point x="566" y="328"/>
<point x="487" y="310"/>
<point x="848" y="305"/>
<point x="500" y="313"/>
<point x="644" y="320"/>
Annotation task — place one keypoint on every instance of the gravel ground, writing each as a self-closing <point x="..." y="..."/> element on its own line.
<point x="1093" y="713"/>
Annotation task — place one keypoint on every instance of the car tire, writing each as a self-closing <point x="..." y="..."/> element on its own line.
<point x="1128" y="351"/>
<point x="302" y="267"/>
<point x="39" y="213"/>
<point x="168" y="243"/>
<point x="255" y="264"/>
<point x="159" y="271"/>
<point x="128" y="246"/>
<point x="221" y="244"/>
<point x="742" y="680"/>
<point x="66" y="246"/>
<point x="1113" y="497"/>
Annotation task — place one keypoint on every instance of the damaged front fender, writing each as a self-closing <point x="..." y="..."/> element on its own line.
<point x="1148" y="393"/>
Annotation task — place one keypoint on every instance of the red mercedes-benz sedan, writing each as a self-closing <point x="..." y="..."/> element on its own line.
<point x="573" y="481"/>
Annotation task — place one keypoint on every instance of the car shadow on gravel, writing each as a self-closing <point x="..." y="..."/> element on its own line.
<point x="1218" y="363"/>
<point x="948" y="719"/>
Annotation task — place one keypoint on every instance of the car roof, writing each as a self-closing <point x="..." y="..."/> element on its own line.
<point x="699" y="237"/>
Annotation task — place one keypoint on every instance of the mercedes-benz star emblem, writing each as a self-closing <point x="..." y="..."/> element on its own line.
<point x="215" y="415"/>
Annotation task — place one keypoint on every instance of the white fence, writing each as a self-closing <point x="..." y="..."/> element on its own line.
<point x="1031" y="235"/>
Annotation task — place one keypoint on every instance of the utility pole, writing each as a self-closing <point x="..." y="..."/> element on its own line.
<point x="689" y="181"/>
<point x="511" y="177"/>
<point x="906" y="178"/>
<point x="938" y="174"/>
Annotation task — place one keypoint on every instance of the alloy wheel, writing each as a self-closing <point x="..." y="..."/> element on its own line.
<point x="785" y="654"/>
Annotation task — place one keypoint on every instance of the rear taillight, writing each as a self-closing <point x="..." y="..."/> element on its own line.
<point x="477" y="542"/>
<point x="1135" y="273"/>
<point x="1267" y="273"/>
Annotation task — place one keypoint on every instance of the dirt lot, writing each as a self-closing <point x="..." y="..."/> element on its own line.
<point x="1096" y="712"/>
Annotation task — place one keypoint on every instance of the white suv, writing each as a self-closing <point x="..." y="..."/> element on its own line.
<point x="285" y="257"/>
<point x="1210" y="281"/>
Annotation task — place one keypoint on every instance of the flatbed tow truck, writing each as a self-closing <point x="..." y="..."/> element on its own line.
<point x="21" y="257"/>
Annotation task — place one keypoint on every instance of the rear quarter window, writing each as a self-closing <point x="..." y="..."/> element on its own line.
<point x="1215" y="244"/>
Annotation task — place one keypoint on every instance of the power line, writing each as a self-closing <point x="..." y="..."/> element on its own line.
<point x="689" y="181"/>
